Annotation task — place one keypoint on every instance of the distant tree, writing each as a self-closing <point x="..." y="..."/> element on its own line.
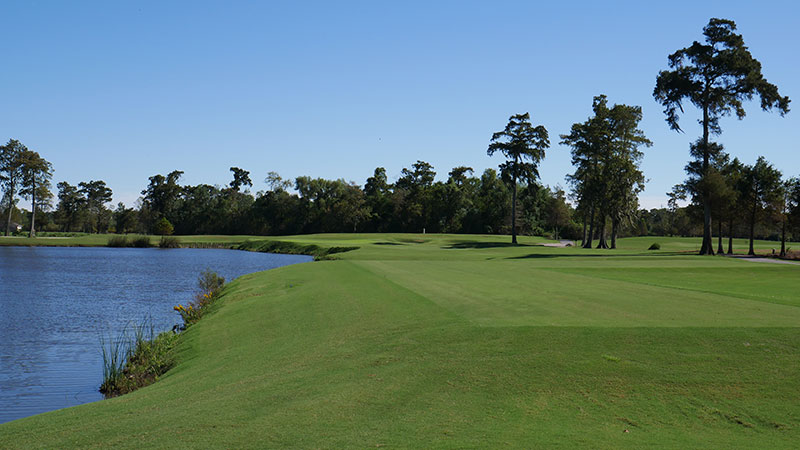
<point x="558" y="212"/>
<point x="70" y="205"/>
<point x="241" y="178"/>
<point x="36" y="175"/>
<point x="11" y="174"/>
<point x="276" y="183"/>
<point x="124" y="219"/>
<point x="730" y="200"/>
<point x="455" y="198"/>
<point x="524" y="147"/>
<point x="413" y="197"/>
<point x="789" y="204"/>
<point x="492" y="205"/>
<point x="162" y="194"/>
<point x="763" y="192"/>
<point x="793" y="205"/>
<point x="715" y="77"/>
<point x="95" y="196"/>
<point x="164" y="227"/>
<point x="377" y="195"/>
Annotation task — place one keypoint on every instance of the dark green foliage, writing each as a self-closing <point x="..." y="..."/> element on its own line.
<point x="762" y="193"/>
<point x="161" y="197"/>
<point x="126" y="241"/>
<point x="606" y="156"/>
<point x="36" y="175"/>
<point x="125" y="219"/>
<point x="163" y="227"/>
<point x="118" y="241"/>
<point x="95" y="196"/>
<point x="83" y="208"/>
<point x="241" y="178"/>
<point x="169" y="242"/>
<point x="140" y="242"/>
<point x="11" y="176"/>
<point x="654" y="246"/>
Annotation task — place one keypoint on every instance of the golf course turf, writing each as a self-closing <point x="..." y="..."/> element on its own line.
<point x="465" y="341"/>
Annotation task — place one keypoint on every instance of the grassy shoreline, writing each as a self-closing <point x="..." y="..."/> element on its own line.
<point x="464" y="341"/>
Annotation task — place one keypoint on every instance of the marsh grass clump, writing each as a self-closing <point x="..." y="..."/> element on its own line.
<point x="140" y="242"/>
<point x="136" y="358"/>
<point x="169" y="242"/>
<point x="209" y="284"/>
<point x="118" y="241"/>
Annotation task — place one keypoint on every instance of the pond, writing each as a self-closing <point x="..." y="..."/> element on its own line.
<point x="58" y="304"/>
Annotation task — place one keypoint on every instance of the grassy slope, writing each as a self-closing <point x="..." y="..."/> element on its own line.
<point x="458" y="341"/>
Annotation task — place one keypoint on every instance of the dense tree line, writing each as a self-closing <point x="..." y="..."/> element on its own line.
<point x="415" y="202"/>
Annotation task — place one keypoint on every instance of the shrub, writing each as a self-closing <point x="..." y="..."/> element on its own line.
<point x="140" y="242"/>
<point x="210" y="281"/>
<point x="655" y="246"/>
<point x="117" y="241"/>
<point x="164" y="227"/>
<point x="210" y="284"/>
<point x="169" y="242"/>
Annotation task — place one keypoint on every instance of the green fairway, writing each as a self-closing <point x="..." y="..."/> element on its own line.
<point x="465" y="341"/>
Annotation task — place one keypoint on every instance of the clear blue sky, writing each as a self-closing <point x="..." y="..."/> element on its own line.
<point x="120" y="91"/>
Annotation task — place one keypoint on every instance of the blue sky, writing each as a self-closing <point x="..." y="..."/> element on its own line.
<point x="120" y="91"/>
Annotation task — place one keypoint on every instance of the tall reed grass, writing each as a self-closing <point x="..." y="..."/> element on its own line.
<point x="139" y="241"/>
<point x="135" y="358"/>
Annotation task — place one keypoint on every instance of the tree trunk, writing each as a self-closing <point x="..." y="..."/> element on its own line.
<point x="730" y="236"/>
<point x="583" y="236"/>
<point x="783" y="237"/>
<point x="10" y="207"/>
<point x="514" y="213"/>
<point x="33" y="211"/>
<point x="590" y="236"/>
<point x="706" y="248"/>
<point x="614" y="226"/>
<point x="752" y="252"/>
<point x="602" y="236"/>
<point x="720" y="250"/>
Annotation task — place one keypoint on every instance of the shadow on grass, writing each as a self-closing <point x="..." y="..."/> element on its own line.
<point x="476" y="244"/>
<point x="605" y="255"/>
<point x="387" y="243"/>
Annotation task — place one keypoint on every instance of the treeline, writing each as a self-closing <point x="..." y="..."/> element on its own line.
<point x="463" y="203"/>
<point x="414" y="203"/>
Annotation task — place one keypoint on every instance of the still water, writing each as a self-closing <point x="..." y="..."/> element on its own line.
<point x="58" y="304"/>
